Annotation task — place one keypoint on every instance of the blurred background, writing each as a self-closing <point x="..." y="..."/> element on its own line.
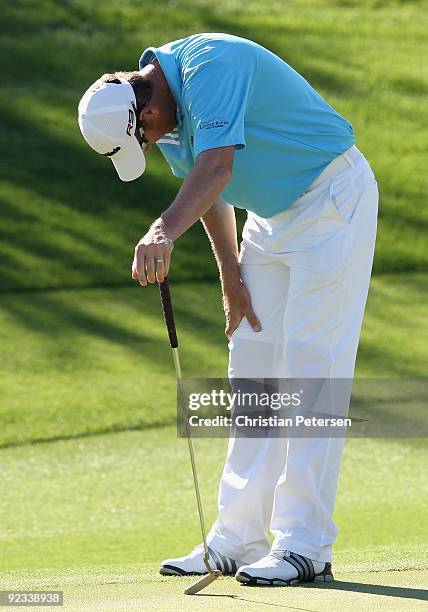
<point x="92" y="471"/>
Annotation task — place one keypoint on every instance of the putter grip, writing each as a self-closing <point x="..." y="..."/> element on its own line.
<point x="168" y="312"/>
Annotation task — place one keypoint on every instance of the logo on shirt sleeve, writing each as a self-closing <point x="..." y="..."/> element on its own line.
<point x="210" y="124"/>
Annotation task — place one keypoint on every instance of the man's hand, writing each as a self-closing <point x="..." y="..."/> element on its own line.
<point x="152" y="255"/>
<point x="237" y="304"/>
<point x="209" y="176"/>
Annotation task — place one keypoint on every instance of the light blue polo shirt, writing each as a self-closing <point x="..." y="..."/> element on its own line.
<point x="231" y="91"/>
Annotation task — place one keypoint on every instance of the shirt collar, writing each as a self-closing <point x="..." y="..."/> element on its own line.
<point x="169" y="66"/>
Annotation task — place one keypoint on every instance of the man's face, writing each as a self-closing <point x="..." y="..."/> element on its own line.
<point x="155" y="120"/>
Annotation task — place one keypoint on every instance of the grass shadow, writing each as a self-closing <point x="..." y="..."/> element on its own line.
<point x="67" y="219"/>
<point x="373" y="589"/>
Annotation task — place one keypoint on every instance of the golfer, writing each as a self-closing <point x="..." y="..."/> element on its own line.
<point x="243" y="129"/>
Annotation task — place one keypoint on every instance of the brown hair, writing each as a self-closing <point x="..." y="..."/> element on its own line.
<point x="143" y="88"/>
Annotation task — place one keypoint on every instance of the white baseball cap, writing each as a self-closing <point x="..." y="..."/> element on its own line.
<point x="107" y="120"/>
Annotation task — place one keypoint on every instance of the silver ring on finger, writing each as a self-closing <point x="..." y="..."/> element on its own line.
<point x="159" y="260"/>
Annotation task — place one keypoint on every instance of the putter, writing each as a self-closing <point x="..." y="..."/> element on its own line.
<point x="168" y="312"/>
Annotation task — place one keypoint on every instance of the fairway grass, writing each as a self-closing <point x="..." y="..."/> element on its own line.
<point x="67" y="220"/>
<point x="81" y="362"/>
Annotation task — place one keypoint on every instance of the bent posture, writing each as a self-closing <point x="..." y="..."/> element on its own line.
<point x="243" y="129"/>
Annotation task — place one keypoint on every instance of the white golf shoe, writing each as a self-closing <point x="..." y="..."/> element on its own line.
<point x="284" y="568"/>
<point x="193" y="564"/>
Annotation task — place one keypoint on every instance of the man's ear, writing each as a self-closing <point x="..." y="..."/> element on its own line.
<point x="148" y="112"/>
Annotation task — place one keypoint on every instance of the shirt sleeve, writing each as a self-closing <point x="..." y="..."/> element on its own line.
<point x="216" y="94"/>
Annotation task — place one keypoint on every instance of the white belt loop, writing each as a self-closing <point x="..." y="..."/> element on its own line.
<point x="348" y="159"/>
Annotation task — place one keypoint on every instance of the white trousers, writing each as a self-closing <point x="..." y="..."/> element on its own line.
<point x="307" y="270"/>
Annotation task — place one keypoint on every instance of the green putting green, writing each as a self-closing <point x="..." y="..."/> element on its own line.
<point x="89" y="513"/>
<point x="358" y="591"/>
<point x="127" y="498"/>
<point x="145" y="591"/>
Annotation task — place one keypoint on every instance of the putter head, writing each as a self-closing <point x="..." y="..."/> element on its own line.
<point x="202" y="582"/>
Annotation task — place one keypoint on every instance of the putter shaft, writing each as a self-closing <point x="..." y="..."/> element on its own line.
<point x="212" y="575"/>
<point x="177" y="365"/>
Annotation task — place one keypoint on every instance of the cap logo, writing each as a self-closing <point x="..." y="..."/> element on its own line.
<point x="130" y="122"/>
<point x="112" y="152"/>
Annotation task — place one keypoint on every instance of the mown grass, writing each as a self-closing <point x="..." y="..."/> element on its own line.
<point x="141" y="589"/>
<point x="128" y="498"/>
<point x="66" y="218"/>
<point x="76" y="362"/>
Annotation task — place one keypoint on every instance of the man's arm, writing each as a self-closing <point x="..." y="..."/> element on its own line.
<point x="207" y="179"/>
<point x="198" y="199"/>
<point x="220" y="225"/>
